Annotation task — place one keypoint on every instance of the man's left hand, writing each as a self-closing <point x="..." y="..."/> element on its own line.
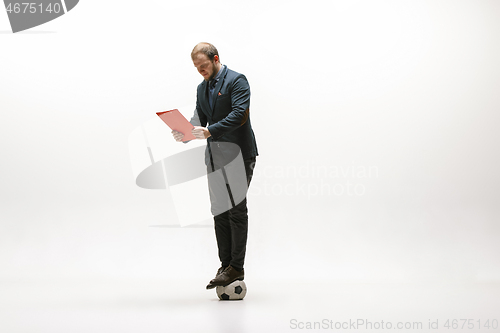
<point x="200" y="132"/>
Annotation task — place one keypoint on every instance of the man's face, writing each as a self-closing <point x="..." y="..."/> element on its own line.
<point x="207" y="68"/>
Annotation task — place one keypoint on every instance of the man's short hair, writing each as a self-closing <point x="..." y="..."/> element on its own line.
<point x="207" y="49"/>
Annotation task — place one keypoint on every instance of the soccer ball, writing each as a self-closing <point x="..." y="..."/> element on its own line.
<point x="233" y="291"/>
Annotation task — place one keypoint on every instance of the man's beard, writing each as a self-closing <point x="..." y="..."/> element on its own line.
<point x="214" y="72"/>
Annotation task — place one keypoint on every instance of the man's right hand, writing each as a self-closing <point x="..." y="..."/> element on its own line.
<point x="178" y="136"/>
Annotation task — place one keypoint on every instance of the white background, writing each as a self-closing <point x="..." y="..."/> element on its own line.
<point x="407" y="89"/>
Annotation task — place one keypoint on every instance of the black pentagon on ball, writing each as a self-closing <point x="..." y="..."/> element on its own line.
<point x="238" y="290"/>
<point x="224" y="296"/>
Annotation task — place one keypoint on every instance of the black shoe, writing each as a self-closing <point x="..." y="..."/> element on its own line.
<point x="228" y="276"/>
<point x="219" y="272"/>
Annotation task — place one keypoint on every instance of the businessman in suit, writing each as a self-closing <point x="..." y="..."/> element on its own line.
<point x="222" y="117"/>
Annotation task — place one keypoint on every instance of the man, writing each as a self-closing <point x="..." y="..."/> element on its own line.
<point x="223" y="102"/>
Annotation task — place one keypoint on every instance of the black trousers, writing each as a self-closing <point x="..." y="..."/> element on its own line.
<point x="231" y="228"/>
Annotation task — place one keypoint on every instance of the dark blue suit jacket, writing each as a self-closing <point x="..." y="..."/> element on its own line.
<point x="229" y="119"/>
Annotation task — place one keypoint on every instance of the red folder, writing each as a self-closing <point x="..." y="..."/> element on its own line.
<point x="177" y="122"/>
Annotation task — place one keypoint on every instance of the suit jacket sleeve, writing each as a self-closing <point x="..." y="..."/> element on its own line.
<point x="240" y="105"/>
<point x="197" y="120"/>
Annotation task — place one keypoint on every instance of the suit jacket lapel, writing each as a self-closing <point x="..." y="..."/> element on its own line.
<point x="219" y="84"/>
<point x="205" y="103"/>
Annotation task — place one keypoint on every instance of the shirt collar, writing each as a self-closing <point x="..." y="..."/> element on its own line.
<point x="216" y="78"/>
